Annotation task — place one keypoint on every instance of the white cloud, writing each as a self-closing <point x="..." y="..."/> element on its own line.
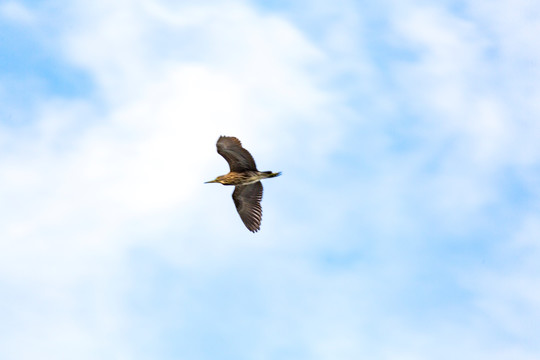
<point x="89" y="179"/>
<point x="507" y="294"/>
<point x="16" y="12"/>
<point x="92" y="179"/>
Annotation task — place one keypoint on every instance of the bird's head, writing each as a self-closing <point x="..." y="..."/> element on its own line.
<point x="216" y="180"/>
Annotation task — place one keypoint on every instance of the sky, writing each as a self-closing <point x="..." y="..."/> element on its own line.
<point x="405" y="226"/>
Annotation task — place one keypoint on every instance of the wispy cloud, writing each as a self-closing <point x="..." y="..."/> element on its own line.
<point x="403" y="227"/>
<point x="16" y="12"/>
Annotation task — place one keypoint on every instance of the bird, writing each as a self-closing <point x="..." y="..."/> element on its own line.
<point x="245" y="177"/>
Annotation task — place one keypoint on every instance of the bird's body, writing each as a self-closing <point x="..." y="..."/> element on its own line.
<point x="246" y="178"/>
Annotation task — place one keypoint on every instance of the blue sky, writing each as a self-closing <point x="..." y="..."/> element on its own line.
<point x="406" y="224"/>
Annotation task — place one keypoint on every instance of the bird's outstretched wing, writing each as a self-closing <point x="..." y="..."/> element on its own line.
<point x="247" y="199"/>
<point x="231" y="149"/>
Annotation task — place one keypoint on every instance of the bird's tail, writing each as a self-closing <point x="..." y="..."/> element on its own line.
<point x="271" y="174"/>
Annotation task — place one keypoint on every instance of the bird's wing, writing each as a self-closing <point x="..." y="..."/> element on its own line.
<point x="231" y="149"/>
<point x="247" y="199"/>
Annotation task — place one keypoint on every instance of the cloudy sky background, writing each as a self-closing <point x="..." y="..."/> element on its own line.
<point x="406" y="224"/>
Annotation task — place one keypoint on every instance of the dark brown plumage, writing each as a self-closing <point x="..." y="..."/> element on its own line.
<point x="239" y="159"/>
<point x="244" y="175"/>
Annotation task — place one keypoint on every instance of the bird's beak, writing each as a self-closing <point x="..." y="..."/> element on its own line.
<point x="211" y="181"/>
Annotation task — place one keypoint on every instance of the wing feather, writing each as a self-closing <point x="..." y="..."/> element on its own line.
<point x="247" y="199"/>
<point x="231" y="149"/>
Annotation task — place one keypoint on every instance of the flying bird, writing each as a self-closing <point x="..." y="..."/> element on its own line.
<point x="245" y="177"/>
